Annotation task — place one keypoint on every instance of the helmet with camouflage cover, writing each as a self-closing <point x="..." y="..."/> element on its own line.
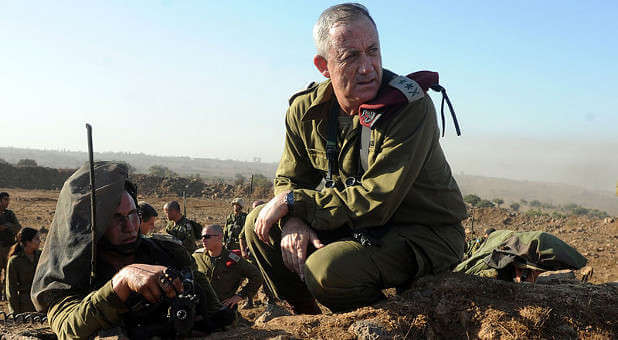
<point x="238" y="201"/>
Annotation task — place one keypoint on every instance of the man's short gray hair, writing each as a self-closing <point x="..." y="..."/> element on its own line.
<point x="342" y="13"/>
<point x="217" y="228"/>
<point x="172" y="205"/>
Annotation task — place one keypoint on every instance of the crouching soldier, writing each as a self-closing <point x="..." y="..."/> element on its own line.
<point x="226" y="270"/>
<point x="136" y="282"/>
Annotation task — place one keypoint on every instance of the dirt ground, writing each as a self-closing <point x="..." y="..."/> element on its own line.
<point x="447" y="306"/>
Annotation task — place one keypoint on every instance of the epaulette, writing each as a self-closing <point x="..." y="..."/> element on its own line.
<point x="234" y="257"/>
<point x="307" y="89"/>
<point x="200" y="250"/>
<point x="400" y="91"/>
<point x="166" y="238"/>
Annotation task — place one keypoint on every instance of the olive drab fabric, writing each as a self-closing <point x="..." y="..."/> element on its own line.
<point x="66" y="272"/>
<point x="234" y="225"/>
<point x="69" y="320"/>
<point x="9" y="220"/>
<point x="20" y="273"/>
<point x="407" y="200"/>
<point x="534" y="249"/>
<point x="408" y="180"/>
<point x="186" y="231"/>
<point x="226" y="273"/>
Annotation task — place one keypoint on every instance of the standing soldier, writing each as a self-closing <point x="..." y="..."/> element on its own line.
<point x="9" y="227"/>
<point x="234" y="225"/>
<point x="225" y="269"/>
<point x="182" y="228"/>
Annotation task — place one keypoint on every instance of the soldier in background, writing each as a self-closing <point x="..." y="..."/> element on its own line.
<point x="225" y="269"/>
<point x="182" y="228"/>
<point x="23" y="258"/>
<point x="149" y="217"/>
<point x="9" y="227"/>
<point x="234" y="225"/>
<point x="242" y="241"/>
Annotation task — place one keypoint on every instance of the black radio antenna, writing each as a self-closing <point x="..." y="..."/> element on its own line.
<point x="93" y="210"/>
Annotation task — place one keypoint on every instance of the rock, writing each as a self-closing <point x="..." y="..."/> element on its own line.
<point x="587" y="272"/>
<point x="368" y="330"/>
<point x="608" y="220"/>
<point x="272" y="311"/>
<point x="556" y="276"/>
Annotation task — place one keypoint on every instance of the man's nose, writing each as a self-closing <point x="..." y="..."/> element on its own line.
<point x="364" y="66"/>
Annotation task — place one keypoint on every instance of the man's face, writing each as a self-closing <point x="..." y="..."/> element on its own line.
<point x="171" y="214"/>
<point x="211" y="239"/>
<point x="354" y="63"/>
<point x="4" y="202"/>
<point x="125" y="222"/>
<point x="237" y="208"/>
<point x="148" y="226"/>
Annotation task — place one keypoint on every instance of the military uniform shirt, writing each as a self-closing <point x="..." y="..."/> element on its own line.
<point x="234" y="226"/>
<point x="408" y="180"/>
<point x="9" y="220"/>
<point x="226" y="273"/>
<point x="186" y="231"/>
<point x="20" y="273"/>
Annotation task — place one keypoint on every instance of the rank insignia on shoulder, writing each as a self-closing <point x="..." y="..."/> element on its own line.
<point x="307" y="89"/>
<point x="408" y="87"/>
<point x="234" y="257"/>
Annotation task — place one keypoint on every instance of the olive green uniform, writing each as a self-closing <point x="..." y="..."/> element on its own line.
<point x="187" y="231"/>
<point x="226" y="273"/>
<point x="493" y="257"/>
<point x="234" y="225"/>
<point x="407" y="201"/>
<point x="78" y="316"/>
<point x="20" y="273"/>
<point x="7" y="239"/>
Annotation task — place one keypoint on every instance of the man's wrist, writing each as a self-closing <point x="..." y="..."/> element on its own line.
<point x="289" y="201"/>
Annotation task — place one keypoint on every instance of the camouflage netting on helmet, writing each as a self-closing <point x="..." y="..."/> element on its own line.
<point x="64" y="267"/>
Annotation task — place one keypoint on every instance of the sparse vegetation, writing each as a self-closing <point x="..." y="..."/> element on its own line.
<point x="26" y="163"/>
<point x="498" y="201"/>
<point x="515" y="206"/>
<point x="472" y="199"/>
<point x="161" y="171"/>
<point x="485" y="204"/>
<point x="535" y="203"/>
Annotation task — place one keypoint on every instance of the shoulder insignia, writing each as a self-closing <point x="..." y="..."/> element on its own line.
<point x="200" y="250"/>
<point x="307" y="89"/>
<point x="400" y="91"/>
<point x="234" y="257"/>
<point x="166" y="238"/>
<point x="408" y="87"/>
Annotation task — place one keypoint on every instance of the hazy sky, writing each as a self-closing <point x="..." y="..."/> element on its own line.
<point x="212" y="78"/>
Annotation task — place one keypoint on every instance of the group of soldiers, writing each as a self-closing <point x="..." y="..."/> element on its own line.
<point x="364" y="199"/>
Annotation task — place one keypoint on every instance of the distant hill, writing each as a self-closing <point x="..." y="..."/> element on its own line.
<point x="205" y="167"/>
<point x="553" y="193"/>
<point x="486" y="187"/>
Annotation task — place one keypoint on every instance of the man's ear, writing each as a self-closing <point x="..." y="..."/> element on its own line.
<point x="321" y="64"/>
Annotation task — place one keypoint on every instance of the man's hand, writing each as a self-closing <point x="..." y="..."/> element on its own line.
<point x="144" y="279"/>
<point x="232" y="301"/>
<point x="295" y="237"/>
<point x="272" y="212"/>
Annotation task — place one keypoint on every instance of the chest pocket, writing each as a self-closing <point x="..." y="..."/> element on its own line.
<point x="318" y="159"/>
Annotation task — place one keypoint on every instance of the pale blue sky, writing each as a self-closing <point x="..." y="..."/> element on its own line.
<point x="212" y="78"/>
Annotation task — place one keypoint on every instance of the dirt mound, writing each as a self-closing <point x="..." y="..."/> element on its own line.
<point x="164" y="186"/>
<point x="32" y="177"/>
<point x="457" y="306"/>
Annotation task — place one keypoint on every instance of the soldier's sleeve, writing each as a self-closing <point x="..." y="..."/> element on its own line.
<point x="11" y="284"/>
<point x="295" y="171"/>
<point x="407" y="138"/>
<point x="210" y="303"/>
<point x="13" y="223"/>
<point x="78" y="317"/>
<point x="253" y="276"/>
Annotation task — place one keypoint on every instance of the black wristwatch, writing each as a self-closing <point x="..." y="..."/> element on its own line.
<point x="289" y="200"/>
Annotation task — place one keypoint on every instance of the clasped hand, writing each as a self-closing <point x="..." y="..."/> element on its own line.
<point x="145" y="280"/>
